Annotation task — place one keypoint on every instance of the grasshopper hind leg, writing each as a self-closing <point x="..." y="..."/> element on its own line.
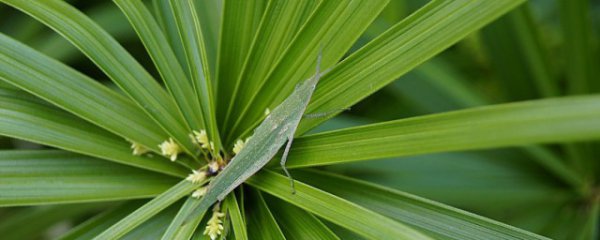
<point x="282" y="163"/>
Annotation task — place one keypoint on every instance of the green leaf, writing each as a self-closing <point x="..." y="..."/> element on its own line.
<point x="25" y="117"/>
<point x="441" y="221"/>
<point x="580" y="62"/>
<point x="76" y="93"/>
<point x="114" y="60"/>
<point x="176" y="228"/>
<point x="337" y="210"/>
<point x="151" y="229"/>
<point x="540" y="121"/>
<point x="348" y="18"/>
<point x="164" y="16"/>
<point x="238" y="222"/>
<point x="281" y="22"/>
<point x="474" y="180"/>
<point x="517" y="56"/>
<point x="434" y="87"/>
<point x="409" y="43"/>
<point x="31" y="223"/>
<point x="297" y="223"/>
<point x="261" y="223"/>
<point x="190" y="32"/>
<point x="240" y="23"/>
<point x="107" y="16"/>
<point x="100" y="222"/>
<point x="48" y="177"/>
<point x="154" y="227"/>
<point x="6" y="85"/>
<point x="577" y="33"/>
<point x="165" y="60"/>
<point x="149" y="209"/>
<point x="209" y="15"/>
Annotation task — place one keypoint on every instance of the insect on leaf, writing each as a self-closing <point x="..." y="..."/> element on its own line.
<point x="277" y="128"/>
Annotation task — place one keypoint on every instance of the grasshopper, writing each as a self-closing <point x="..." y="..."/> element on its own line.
<point x="277" y="128"/>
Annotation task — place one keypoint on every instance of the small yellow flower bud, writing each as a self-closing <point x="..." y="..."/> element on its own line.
<point x="169" y="148"/>
<point x="196" y="176"/>
<point x="199" y="192"/>
<point x="237" y="147"/>
<point x="138" y="149"/>
<point x="201" y="138"/>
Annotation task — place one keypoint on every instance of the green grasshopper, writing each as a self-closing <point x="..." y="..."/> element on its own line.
<point x="277" y="128"/>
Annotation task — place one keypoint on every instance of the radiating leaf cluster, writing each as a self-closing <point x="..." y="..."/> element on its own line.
<point x="221" y="64"/>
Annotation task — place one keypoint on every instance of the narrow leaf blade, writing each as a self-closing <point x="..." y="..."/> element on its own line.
<point x="434" y="218"/>
<point x="334" y="209"/>
<point x="165" y="60"/>
<point x="541" y="121"/>
<point x="26" y="117"/>
<point x="149" y="209"/>
<point x="114" y="60"/>
<point x="406" y="45"/>
<point x="50" y="177"/>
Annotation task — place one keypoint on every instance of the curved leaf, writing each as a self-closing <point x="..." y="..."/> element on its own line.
<point x="114" y="60"/>
<point x="25" y="117"/>
<point x="76" y="93"/>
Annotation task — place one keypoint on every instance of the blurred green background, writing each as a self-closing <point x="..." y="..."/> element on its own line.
<point x="533" y="52"/>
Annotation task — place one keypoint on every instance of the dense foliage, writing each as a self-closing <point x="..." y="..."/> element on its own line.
<point x="116" y="116"/>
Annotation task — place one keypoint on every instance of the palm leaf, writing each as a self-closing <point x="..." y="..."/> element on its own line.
<point x="47" y="177"/>
<point x="437" y="220"/>
<point x="165" y="60"/>
<point x="409" y="43"/>
<point x="25" y="117"/>
<point x="61" y="85"/>
<point x="334" y="209"/>
<point x="114" y="60"/>
<point x="541" y="121"/>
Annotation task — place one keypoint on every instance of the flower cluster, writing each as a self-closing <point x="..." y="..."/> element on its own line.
<point x="170" y="148"/>
<point x="196" y="177"/>
<point x="239" y="145"/>
<point x="214" y="227"/>
<point x="201" y="138"/>
<point x="138" y="149"/>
